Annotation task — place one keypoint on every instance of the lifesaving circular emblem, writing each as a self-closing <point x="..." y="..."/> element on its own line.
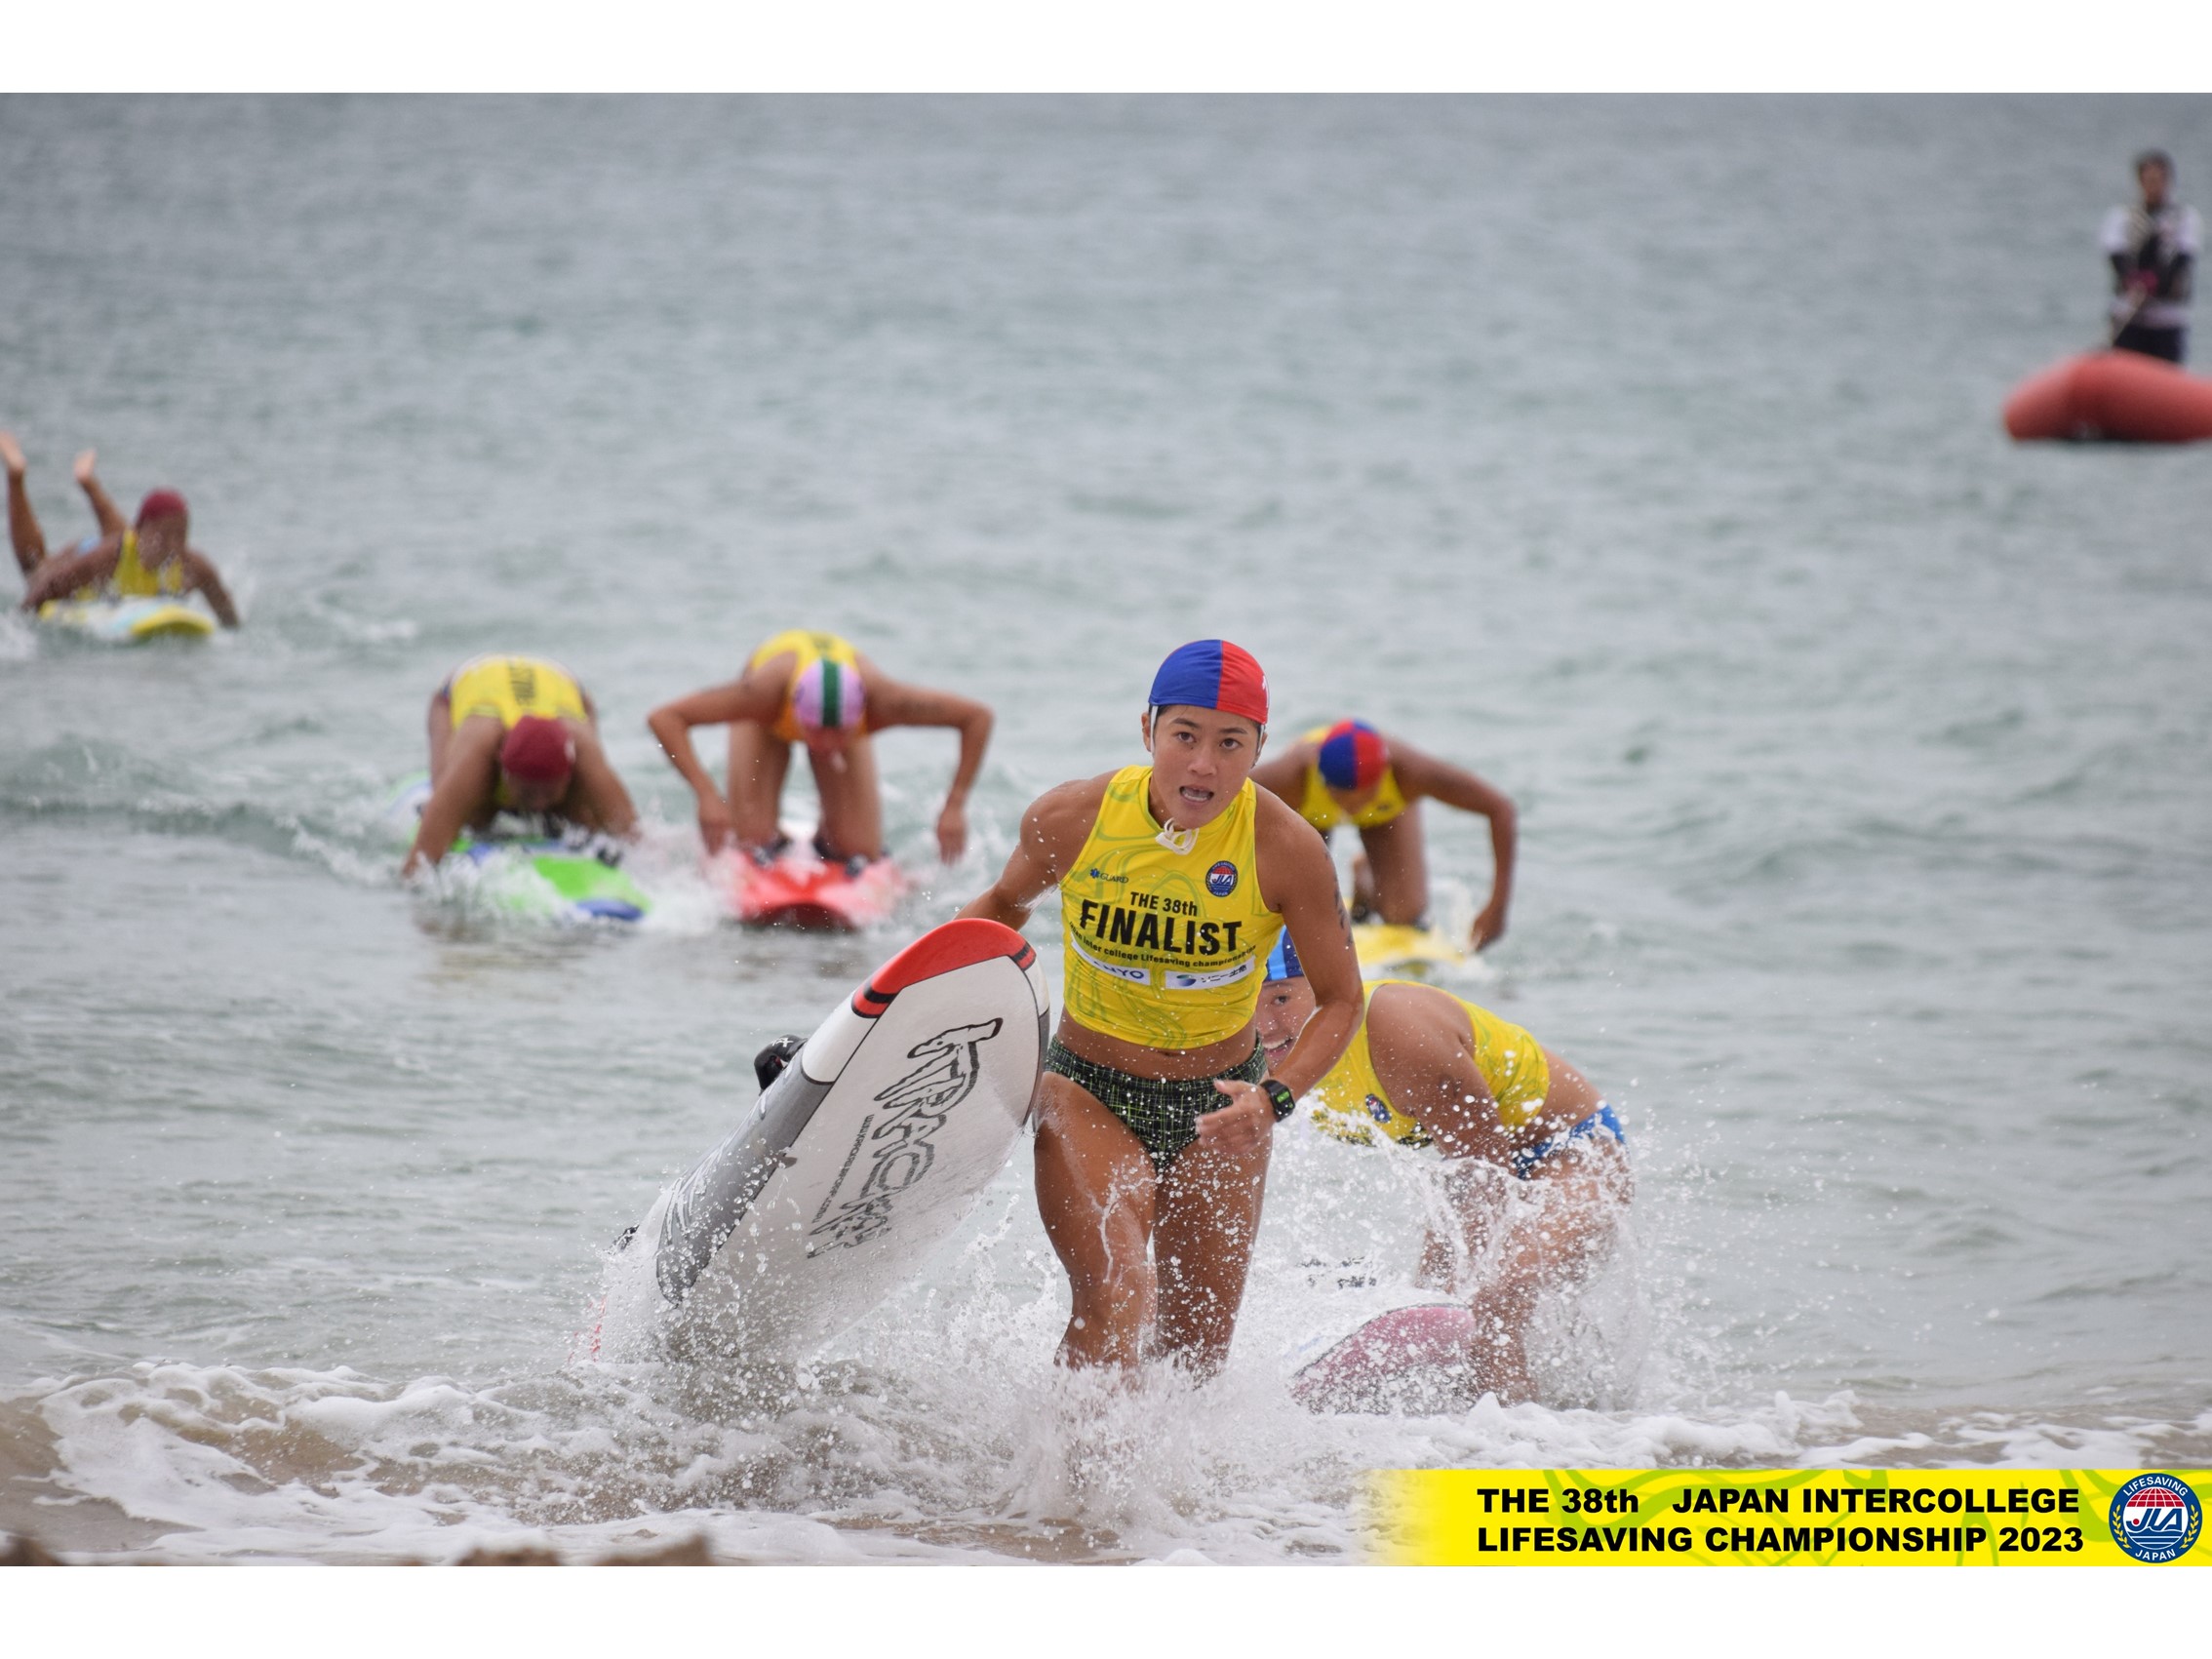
<point x="2156" y="1517"/>
<point x="1221" y="880"/>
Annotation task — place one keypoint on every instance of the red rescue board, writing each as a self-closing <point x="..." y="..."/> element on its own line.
<point x="799" y="889"/>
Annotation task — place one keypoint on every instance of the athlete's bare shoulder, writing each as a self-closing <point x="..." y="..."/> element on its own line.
<point x="1066" y="807"/>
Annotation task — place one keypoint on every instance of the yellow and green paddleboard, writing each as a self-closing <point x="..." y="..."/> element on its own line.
<point x="127" y="621"/>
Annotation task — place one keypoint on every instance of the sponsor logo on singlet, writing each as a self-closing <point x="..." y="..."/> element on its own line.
<point x="1221" y="880"/>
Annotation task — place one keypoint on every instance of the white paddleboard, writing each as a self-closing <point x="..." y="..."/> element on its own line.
<point x="869" y="1150"/>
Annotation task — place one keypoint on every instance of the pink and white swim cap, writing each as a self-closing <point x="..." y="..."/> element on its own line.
<point x="829" y="696"/>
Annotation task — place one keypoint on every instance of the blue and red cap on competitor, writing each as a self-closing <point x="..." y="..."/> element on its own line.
<point x="1212" y="674"/>
<point x="1353" y="756"/>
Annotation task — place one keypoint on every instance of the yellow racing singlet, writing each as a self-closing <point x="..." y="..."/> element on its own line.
<point x="507" y="688"/>
<point x="1164" y="948"/>
<point x="804" y="647"/>
<point x="1352" y="1103"/>
<point x="130" y="579"/>
<point x="1319" y="807"/>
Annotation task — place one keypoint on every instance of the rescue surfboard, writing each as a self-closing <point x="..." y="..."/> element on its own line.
<point x="573" y="878"/>
<point x="1387" y="947"/>
<point x="127" y="621"/>
<point x="1416" y="1359"/>
<point x="798" y="889"/>
<point x="870" y="1148"/>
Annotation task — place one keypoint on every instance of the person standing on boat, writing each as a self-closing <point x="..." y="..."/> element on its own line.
<point x="2153" y="247"/>
<point x="149" y="559"/>
<point x="815" y="690"/>
<point x="1157" y="1110"/>
<point x="1351" y="773"/>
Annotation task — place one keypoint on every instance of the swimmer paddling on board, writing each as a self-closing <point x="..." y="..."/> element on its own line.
<point x="516" y="735"/>
<point x="149" y="559"/>
<point x="1158" y="1109"/>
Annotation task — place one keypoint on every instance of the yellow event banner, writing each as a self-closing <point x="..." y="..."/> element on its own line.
<point x="1790" y="1516"/>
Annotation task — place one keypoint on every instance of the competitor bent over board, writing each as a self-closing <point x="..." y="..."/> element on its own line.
<point x="1547" y="1156"/>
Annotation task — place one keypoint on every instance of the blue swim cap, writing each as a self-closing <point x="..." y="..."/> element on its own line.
<point x="1283" y="961"/>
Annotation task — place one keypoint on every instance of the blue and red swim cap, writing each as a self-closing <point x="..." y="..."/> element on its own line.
<point x="1353" y="756"/>
<point x="1212" y="674"/>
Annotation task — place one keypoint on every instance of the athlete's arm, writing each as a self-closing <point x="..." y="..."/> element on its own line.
<point x="200" y="572"/>
<point x="1298" y="882"/>
<point x="471" y="764"/>
<point x="110" y="517"/>
<point x="1052" y="833"/>
<point x="893" y="704"/>
<point x="1420" y="774"/>
<point x="671" y="724"/>
<point x="598" y="790"/>
<point x="58" y="577"/>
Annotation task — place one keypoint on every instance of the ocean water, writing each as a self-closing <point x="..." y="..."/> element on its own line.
<point x="1641" y="454"/>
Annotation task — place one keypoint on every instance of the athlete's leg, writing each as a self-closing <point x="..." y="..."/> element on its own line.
<point x="852" y="800"/>
<point x="1096" y="1193"/>
<point x="759" y="760"/>
<point x="23" y="534"/>
<point x="1209" y="1216"/>
<point x="1552" y="1231"/>
<point x="1399" y="858"/>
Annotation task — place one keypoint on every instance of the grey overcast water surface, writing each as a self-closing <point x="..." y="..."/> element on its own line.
<point x="1641" y="454"/>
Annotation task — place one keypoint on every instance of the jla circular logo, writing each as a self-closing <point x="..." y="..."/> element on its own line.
<point x="1221" y="880"/>
<point x="2156" y="1517"/>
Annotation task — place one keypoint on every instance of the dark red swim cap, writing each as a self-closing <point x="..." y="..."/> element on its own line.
<point x="161" y="505"/>
<point x="539" y="750"/>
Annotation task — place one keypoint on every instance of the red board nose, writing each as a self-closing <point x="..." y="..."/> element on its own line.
<point x="941" y="950"/>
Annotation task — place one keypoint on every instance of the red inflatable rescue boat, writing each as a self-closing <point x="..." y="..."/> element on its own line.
<point x="2118" y="395"/>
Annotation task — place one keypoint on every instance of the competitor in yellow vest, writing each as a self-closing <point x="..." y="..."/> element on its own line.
<point x="815" y="690"/>
<point x="1351" y="773"/>
<point x="1157" y="1111"/>
<point x="517" y="734"/>
<point x="1537" y="1162"/>
<point x="145" y="561"/>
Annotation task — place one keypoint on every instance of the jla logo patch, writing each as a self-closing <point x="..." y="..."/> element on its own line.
<point x="898" y="1144"/>
<point x="1221" y="880"/>
<point x="2156" y="1517"/>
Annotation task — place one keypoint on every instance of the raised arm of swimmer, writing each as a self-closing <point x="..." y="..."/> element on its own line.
<point x="891" y="702"/>
<point x="1424" y="774"/>
<point x="110" y="516"/>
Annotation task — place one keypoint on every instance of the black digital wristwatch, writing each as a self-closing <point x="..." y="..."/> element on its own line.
<point x="1278" y="1091"/>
